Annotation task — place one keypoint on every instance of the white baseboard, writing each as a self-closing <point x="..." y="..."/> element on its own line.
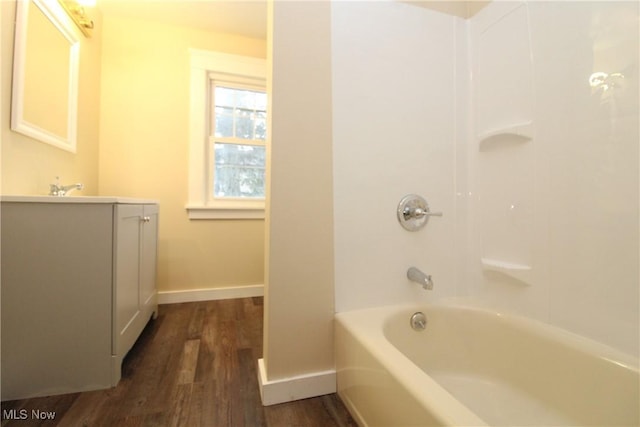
<point x="192" y="295"/>
<point x="294" y="388"/>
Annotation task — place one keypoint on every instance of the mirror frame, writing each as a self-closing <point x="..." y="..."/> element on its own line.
<point x="55" y="14"/>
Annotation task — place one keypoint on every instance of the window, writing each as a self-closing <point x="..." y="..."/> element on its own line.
<point x="237" y="143"/>
<point x="228" y="134"/>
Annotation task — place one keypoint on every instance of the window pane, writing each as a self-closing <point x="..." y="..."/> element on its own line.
<point x="244" y="124"/>
<point x="224" y="121"/>
<point x="239" y="113"/>
<point x="246" y="99"/>
<point x="261" y="129"/>
<point x="239" y="170"/>
<point x="224" y="96"/>
<point x="261" y="101"/>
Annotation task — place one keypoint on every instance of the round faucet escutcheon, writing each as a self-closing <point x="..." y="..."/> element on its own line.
<point x="418" y="321"/>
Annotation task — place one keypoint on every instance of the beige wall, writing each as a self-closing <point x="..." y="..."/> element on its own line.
<point x="29" y="166"/>
<point x="144" y="137"/>
<point x="298" y="337"/>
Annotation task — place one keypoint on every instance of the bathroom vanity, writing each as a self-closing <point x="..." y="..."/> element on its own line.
<point x="78" y="287"/>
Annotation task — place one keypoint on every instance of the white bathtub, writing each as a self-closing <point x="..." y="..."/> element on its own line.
<point x="474" y="367"/>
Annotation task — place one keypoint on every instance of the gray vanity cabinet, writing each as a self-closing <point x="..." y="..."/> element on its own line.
<point x="78" y="286"/>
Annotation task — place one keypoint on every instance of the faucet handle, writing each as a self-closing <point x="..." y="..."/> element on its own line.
<point x="413" y="212"/>
<point x="54" y="188"/>
<point x="418" y="212"/>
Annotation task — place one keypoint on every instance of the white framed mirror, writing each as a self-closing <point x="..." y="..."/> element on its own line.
<point x="44" y="103"/>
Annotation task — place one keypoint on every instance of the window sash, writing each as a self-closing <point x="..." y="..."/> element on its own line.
<point x="239" y="86"/>
<point x="213" y="166"/>
<point x="234" y="140"/>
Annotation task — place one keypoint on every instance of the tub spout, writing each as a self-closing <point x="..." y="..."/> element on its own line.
<point x="419" y="277"/>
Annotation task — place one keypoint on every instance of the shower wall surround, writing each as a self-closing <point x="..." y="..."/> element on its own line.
<point x="554" y="211"/>
<point x="521" y="125"/>
<point x="394" y="128"/>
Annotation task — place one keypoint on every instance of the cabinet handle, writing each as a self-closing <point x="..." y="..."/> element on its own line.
<point x="146" y="218"/>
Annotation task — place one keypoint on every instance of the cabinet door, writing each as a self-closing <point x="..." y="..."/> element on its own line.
<point x="148" y="260"/>
<point x="127" y="261"/>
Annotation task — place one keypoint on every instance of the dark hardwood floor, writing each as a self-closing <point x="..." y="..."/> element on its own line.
<point x="195" y="365"/>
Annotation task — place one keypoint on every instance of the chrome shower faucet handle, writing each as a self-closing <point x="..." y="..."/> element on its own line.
<point x="413" y="212"/>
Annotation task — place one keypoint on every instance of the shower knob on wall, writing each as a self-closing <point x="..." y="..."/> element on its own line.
<point x="414" y="212"/>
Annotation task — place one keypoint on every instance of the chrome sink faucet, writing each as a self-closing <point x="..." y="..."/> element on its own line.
<point x="419" y="277"/>
<point x="62" y="190"/>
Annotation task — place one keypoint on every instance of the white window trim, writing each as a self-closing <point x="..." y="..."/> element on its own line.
<point x="234" y="68"/>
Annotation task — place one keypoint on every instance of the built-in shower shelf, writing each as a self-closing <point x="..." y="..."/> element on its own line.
<point x="519" y="132"/>
<point x="520" y="272"/>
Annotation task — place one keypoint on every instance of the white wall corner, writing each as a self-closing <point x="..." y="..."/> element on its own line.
<point x="294" y="388"/>
<point x="193" y="295"/>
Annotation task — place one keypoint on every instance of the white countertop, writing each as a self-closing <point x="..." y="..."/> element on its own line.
<point x="77" y="199"/>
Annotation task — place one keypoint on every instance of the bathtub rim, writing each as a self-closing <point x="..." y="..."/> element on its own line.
<point x="444" y="406"/>
<point x="530" y="324"/>
<point x="367" y="326"/>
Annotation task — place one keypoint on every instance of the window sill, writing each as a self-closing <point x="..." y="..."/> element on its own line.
<point x="226" y="212"/>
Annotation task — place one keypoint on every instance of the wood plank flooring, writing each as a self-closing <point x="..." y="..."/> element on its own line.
<point x="195" y="365"/>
